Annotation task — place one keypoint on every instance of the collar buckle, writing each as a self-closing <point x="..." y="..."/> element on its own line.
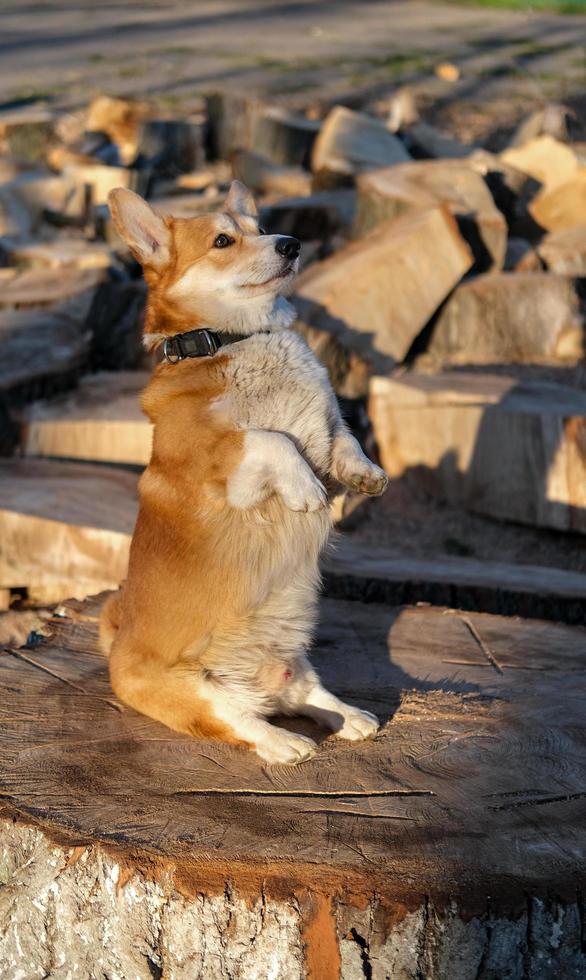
<point x="194" y="343"/>
<point x="171" y="358"/>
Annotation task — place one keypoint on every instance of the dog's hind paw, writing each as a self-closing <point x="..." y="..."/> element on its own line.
<point x="358" y="725"/>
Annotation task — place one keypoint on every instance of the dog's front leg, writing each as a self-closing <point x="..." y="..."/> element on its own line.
<point x="271" y="464"/>
<point x="351" y="467"/>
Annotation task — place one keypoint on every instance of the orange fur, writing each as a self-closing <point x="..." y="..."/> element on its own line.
<point x="154" y="627"/>
<point x="163" y="613"/>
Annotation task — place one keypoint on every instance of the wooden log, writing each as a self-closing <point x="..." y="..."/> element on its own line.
<point x="564" y="252"/>
<point x="362" y="572"/>
<point x="511" y="189"/>
<point x="230" y="118"/>
<point x="26" y="133"/>
<point x="417" y="186"/>
<point x="121" y="120"/>
<point x="448" y="847"/>
<point x="264" y="177"/>
<point x="171" y="146"/>
<point x="495" y="446"/>
<point x="61" y="253"/>
<point x="102" y="179"/>
<point x="546" y="159"/>
<point x="350" y="143"/>
<point x="101" y="421"/>
<point x="286" y="138"/>
<point x="425" y="141"/>
<point x="564" y="206"/>
<point x="26" y="201"/>
<point x="115" y="322"/>
<point x="50" y="572"/>
<point x="377" y="294"/>
<point x="552" y="119"/>
<point x="510" y="317"/>
<point x="37" y="287"/>
<point x="316" y="216"/>
<point x="41" y="352"/>
<point x="64" y="525"/>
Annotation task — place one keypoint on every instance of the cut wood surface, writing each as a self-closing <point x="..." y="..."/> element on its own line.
<point x="284" y="137"/>
<point x="416" y="186"/>
<point x="545" y="158"/>
<point x="101" y="421"/>
<point x="510" y="450"/>
<point x="42" y="287"/>
<point x="511" y="317"/>
<point x="565" y="251"/>
<point x="562" y="207"/>
<point x="64" y="526"/>
<point x="309" y="217"/>
<point x="264" y="176"/>
<point x="41" y="352"/>
<point x="456" y="832"/>
<point x="350" y="143"/>
<point x="377" y="294"/>
<point x="62" y="253"/>
<point x="103" y="179"/>
<point x="25" y="200"/>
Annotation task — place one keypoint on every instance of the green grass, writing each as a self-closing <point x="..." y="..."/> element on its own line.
<point x="553" y="6"/>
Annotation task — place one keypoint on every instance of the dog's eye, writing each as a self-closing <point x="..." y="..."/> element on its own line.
<point x="262" y="231"/>
<point x="222" y="241"/>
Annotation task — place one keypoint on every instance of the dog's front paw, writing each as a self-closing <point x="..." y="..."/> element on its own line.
<point x="304" y="493"/>
<point x="370" y="480"/>
<point x="285" y="748"/>
<point x="357" y="725"/>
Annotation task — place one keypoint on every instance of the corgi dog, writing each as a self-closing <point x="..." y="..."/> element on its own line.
<point x="210" y="632"/>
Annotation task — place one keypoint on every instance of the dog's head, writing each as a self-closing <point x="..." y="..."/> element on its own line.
<point x="218" y="271"/>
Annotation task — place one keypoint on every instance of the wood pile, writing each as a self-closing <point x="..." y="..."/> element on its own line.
<point x="422" y="256"/>
<point x="443" y="286"/>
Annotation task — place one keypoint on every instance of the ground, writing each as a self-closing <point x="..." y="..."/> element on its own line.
<point x="510" y="60"/>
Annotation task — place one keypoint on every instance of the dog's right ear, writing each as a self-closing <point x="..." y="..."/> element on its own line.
<point x="143" y="230"/>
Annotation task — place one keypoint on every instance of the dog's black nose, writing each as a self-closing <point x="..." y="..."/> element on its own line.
<point x="289" y="247"/>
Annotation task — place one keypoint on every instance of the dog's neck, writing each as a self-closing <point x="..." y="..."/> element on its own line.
<point x="240" y="325"/>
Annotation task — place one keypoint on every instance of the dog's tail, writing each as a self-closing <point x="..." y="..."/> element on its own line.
<point x="109" y="622"/>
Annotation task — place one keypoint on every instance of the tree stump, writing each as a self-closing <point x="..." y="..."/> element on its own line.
<point x="451" y="846"/>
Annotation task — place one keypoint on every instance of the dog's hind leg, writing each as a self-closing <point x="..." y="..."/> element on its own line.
<point x="184" y="698"/>
<point x="109" y="622"/>
<point x="305" y="695"/>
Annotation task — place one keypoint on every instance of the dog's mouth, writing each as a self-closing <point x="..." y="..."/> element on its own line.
<point x="285" y="273"/>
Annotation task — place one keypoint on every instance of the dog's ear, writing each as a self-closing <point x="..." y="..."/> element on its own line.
<point x="142" y="229"/>
<point x="240" y="200"/>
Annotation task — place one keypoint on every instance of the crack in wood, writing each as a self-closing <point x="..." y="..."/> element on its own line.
<point x="540" y="801"/>
<point x="328" y="793"/>
<point x="481" y="643"/>
<point x="21" y="655"/>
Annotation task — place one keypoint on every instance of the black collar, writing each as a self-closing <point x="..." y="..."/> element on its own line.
<point x="197" y="343"/>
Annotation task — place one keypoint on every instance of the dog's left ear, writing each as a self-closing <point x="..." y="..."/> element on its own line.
<point x="240" y="200"/>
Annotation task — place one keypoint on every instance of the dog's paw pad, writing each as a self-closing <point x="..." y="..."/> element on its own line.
<point x="372" y="482"/>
